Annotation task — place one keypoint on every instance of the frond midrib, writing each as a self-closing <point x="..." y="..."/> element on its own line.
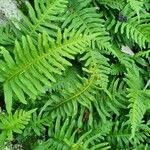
<point x="15" y="123"/>
<point x="41" y="20"/>
<point x="26" y="67"/>
<point x="127" y="134"/>
<point x="85" y="24"/>
<point x="91" y="81"/>
<point x="90" y="30"/>
<point x="147" y="38"/>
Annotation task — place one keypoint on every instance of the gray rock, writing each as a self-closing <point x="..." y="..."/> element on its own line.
<point x="8" y="9"/>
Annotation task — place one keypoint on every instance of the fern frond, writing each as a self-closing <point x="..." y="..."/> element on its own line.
<point x="136" y="5"/>
<point x="99" y="131"/>
<point x="65" y="81"/>
<point x="37" y="125"/>
<point x="80" y="19"/>
<point x="134" y="29"/>
<point x="14" y="123"/>
<point x="136" y="94"/>
<point x="34" y="65"/>
<point x="113" y="104"/>
<point x="7" y="36"/>
<point x="115" y="4"/>
<point x="84" y="64"/>
<point x="137" y="110"/>
<point x="145" y="54"/>
<point x="63" y="136"/>
<point x="119" y="137"/>
<point x="42" y="18"/>
<point x="83" y="92"/>
<point x="142" y="147"/>
<point x="68" y="101"/>
<point x="147" y="5"/>
<point x="98" y="65"/>
<point x="117" y="69"/>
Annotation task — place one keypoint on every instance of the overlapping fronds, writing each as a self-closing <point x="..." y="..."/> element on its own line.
<point x="83" y="18"/>
<point x="117" y="69"/>
<point x="82" y="92"/>
<point x="136" y="5"/>
<point x="137" y="98"/>
<point x="35" y="65"/>
<point x="65" y="81"/>
<point x="84" y="65"/>
<point x="115" y="102"/>
<point x="98" y="65"/>
<point x="120" y="135"/>
<point x="37" y="124"/>
<point x="64" y="137"/>
<point x="7" y="36"/>
<point x="134" y="29"/>
<point x="43" y="17"/>
<point x="13" y="123"/>
<point x="116" y="4"/>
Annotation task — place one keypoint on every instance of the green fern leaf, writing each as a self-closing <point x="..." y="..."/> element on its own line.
<point x="119" y="137"/>
<point x="63" y="137"/>
<point x="7" y="36"/>
<point x="80" y="20"/>
<point x="42" y="18"/>
<point x="137" y="105"/>
<point x="82" y="93"/>
<point x="14" y="123"/>
<point x="98" y="65"/>
<point x="134" y="29"/>
<point x="145" y="54"/>
<point x="112" y="104"/>
<point x="136" y="5"/>
<point x="115" y="4"/>
<point x="34" y="65"/>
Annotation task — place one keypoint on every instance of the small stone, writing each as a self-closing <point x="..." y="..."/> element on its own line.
<point x="8" y="9"/>
<point x="127" y="50"/>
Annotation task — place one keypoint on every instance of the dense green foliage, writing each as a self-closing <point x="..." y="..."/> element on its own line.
<point x="75" y="75"/>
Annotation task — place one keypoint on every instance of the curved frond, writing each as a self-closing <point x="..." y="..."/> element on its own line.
<point x="34" y="65"/>
<point x="86" y="19"/>
<point x="136" y="98"/>
<point x="134" y="29"/>
<point x="43" y="17"/>
<point x="67" y="102"/>
<point x="98" y="65"/>
<point x="82" y="92"/>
